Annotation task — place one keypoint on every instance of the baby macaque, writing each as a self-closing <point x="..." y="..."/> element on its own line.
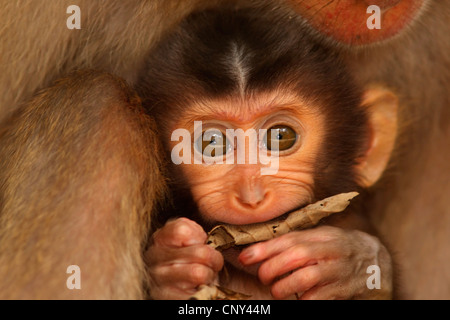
<point x="258" y="120"/>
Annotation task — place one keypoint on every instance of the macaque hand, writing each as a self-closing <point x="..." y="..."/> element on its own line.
<point x="322" y="263"/>
<point x="179" y="260"/>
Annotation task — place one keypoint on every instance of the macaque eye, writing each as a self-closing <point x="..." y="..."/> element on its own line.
<point x="213" y="143"/>
<point x="280" y="137"/>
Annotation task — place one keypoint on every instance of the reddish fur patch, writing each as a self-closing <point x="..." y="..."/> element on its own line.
<point x="346" y="21"/>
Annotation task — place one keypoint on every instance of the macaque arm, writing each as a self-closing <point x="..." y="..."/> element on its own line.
<point x="78" y="180"/>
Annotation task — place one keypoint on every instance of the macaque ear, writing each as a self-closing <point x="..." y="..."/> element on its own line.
<point x="382" y="107"/>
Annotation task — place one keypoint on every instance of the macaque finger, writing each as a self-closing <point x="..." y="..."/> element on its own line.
<point x="325" y="280"/>
<point x="291" y="259"/>
<point x="180" y="233"/>
<point x="184" y="276"/>
<point x="201" y="254"/>
<point x="299" y="281"/>
<point x="264" y="250"/>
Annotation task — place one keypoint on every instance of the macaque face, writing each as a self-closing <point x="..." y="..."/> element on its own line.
<point x="239" y="191"/>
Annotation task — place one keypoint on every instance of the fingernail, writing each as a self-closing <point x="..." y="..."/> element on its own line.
<point x="247" y="255"/>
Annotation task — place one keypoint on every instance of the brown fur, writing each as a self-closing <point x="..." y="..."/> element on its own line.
<point x="410" y="205"/>
<point x="81" y="180"/>
<point x="116" y="36"/>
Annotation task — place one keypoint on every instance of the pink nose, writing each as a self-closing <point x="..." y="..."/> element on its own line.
<point x="251" y="200"/>
<point x="250" y="193"/>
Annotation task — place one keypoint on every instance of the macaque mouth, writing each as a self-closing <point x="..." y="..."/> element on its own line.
<point x="287" y="213"/>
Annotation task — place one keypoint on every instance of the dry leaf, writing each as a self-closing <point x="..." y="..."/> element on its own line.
<point x="213" y="292"/>
<point x="225" y="236"/>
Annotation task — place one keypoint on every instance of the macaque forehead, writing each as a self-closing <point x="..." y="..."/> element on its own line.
<point x="242" y="112"/>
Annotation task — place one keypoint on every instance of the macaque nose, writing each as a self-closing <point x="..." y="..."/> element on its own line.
<point x="251" y="193"/>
